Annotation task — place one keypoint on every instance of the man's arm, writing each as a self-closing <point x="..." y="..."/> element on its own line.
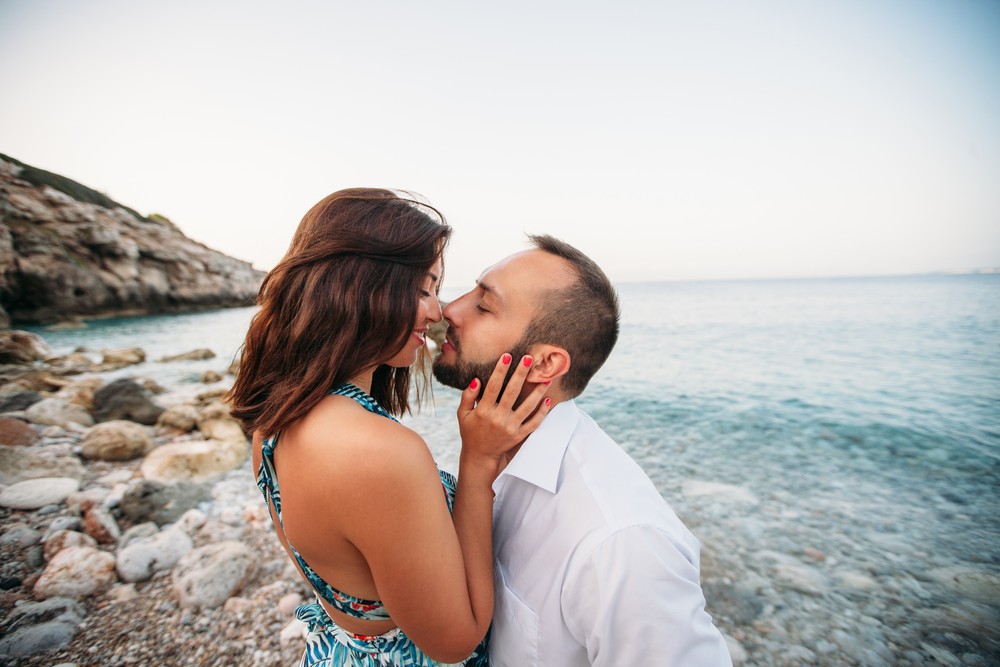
<point x="636" y="599"/>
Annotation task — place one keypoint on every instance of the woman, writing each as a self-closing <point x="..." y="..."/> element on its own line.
<point x="355" y="497"/>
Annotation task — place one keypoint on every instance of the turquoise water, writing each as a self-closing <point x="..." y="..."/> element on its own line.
<point x="858" y="419"/>
<point x="879" y="377"/>
<point x="903" y="373"/>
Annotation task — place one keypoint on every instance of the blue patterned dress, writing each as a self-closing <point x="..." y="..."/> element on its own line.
<point x="327" y="644"/>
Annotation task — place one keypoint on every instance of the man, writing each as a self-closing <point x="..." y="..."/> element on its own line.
<point x="592" y="566"/>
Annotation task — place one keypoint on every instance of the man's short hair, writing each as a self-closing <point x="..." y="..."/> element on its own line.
<point x="582" y="318"/>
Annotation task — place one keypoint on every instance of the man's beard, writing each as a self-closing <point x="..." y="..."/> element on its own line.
<point x="459" y="374"/>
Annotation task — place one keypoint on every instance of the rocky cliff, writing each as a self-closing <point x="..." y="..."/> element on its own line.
<point x="68" y="251"/>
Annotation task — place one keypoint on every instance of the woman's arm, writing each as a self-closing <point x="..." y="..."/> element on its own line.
<point x="433" y="571"/>
<point x="489" y="430"/>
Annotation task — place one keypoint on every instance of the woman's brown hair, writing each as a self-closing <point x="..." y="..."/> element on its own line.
<point x="343" y="298"/>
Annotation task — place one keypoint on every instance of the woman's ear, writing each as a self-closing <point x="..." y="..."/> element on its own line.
<point x="550" y="362"/>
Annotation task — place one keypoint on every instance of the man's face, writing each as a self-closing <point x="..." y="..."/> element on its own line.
<point x="492" y="318"/>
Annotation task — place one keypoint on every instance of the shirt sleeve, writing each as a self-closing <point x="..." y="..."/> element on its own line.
<point x="636" y="599"/>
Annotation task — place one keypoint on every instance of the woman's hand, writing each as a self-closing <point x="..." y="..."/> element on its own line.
<point x="499" y="422"/>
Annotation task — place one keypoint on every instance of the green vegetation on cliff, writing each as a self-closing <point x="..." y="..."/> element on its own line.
<point x="78" y="191"/>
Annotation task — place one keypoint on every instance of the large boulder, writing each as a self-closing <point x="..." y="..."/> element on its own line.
<point x="193" y="461"/>
<point x="146" y="500"/>
<point x="117" y="440"/>
<point x="143" y="558"/>
<point x="21" y="463"/>
<point x="76" y="572"/>
<point x="58" y="412"/>
<point x="22" y="347"/>
<point x="35" y="493"/>
<point x="125" y="399"/>
<point x="182" y="418"/>
<point x="210" y="575"/>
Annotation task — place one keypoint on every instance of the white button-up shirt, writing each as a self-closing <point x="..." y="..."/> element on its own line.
<point x="592" y="566"/>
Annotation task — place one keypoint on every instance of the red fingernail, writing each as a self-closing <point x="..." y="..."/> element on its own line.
<point x="527" y="362"/>
<point x="548" y="401"/>
<point x="474" y="383"/>
<point x="548" y="382"/>
<point x="505" y="359"/>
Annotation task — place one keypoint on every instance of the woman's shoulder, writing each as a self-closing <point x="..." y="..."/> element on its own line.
<point x="338" y="426"/>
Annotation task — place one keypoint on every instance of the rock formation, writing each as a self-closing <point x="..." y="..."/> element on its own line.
<point x="68" y="251"/>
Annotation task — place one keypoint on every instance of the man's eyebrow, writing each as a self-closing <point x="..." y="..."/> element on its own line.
<point x="490" y="290"/>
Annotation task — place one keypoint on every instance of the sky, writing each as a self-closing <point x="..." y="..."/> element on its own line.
<point x="668" y="140"/>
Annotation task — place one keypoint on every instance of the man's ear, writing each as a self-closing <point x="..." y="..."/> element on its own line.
<point x="550" y="362"/>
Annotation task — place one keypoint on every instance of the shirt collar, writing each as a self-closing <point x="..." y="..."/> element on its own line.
<point x="540" y="457"/>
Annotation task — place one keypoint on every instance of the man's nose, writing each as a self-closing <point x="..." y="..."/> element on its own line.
<point x="450" y="311"/>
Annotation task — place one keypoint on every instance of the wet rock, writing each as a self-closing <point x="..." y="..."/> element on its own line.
<point x="193" y="461"/>
<point x="18" y="398"/>
<point x="21" y="347"/>
<point x="128" y="356"/>
<point x="209" y="575"/>
<point x="968" y="582"/>
<point x="194" y="355"/>
<point x="210" y="376"/>
<point x="147" y="500"/>
<point x="76" y="572"/>
<point x="146" y="556"/>
<point x="718" y="492"/>
<point x="15" y="433"/>
<point x="181" y="418"/>
<point x="216" y="422"/>
<point x="801" y="578"/>
<point x="35" y="493"/>
<point x="74" y="363"/>
<point x="125" y="399"/>
<point x="116" y="440"/>
<point x="58" y="412"/>
<point x="80" y="393"/>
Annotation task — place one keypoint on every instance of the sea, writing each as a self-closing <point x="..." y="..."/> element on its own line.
<point x="851" y="425"/>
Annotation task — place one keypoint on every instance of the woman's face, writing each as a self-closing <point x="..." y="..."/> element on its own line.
<point x="428" y="312"/>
